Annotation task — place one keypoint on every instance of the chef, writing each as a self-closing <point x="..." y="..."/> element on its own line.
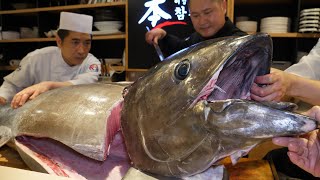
<point x="209" y="21"/>
<point x="300" y="81"/>
<point x="70" y="63"/>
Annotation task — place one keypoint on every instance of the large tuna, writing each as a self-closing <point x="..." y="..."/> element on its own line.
<point x="175" y="123"/>
<point x="183" y="116"/>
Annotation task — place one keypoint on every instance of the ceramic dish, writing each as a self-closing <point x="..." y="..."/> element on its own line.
<point x="310" y="18"/>
<point x="10" y="35"/>
<point x="310" y="10"/>
<point x="106" y="32"/>
<point x="310" y="13"/>
<point x="309" y="22"/>
<point x="308" y="30"/>
<point x="309" y="25"/>
<point x="275" y="18"/>
<point x="242" y="18"/>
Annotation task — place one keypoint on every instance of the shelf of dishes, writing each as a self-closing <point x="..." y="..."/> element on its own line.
<point x="95" y="37"/>
<point x="64" y="8"/>
<point x="309" y="23"/>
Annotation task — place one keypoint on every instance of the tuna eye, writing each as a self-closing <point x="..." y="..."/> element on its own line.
<point x="182" y="69"/>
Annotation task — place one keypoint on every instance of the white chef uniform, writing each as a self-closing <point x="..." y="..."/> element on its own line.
<point x="308" y="66"/>
<point x="47" y="64"/>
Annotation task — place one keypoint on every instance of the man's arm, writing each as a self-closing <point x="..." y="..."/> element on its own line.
<point x="31" y="92"/>
<point x="280" y="84"/>
<point x="7" y="91"/>
<point x="304" y="89"/>
<point x="88" y="73"/>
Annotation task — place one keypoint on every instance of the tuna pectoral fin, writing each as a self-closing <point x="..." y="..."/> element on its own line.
<point x="5" y="135"/>
<point x="214" y="172"/>
<point x="281" y="105"/>
<point x="238" y="154"/>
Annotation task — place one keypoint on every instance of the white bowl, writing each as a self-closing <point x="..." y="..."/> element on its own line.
<point x="22" y="5"/>
<point x="10" y="35"/>
<point x="242" y="18"/>
<point x="112" y="60"/>
<point x="275" y="18"/>
<point x="108" y="27"/>
<point x="51" y="33"/>
<point x="247" y="26"/>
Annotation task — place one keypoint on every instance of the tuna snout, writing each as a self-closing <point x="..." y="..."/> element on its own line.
<point x="309" y="125"/>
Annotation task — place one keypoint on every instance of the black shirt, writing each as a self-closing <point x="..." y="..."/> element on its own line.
<point x="171" y="44"/>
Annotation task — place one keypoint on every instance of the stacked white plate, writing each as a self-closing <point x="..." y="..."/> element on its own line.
<point x="309" y="20"/>
<point x="242" y="18"/>
<point x="247" y="26"/>
<point x="108" y="27"/>
<point x="10" y="35"/>
<point x="275" y="25"/>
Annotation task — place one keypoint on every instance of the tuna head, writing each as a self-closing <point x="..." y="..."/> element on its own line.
<point x="165" y="115"/>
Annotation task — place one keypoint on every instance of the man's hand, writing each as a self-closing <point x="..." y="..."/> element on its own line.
<point x="276" y="85"/>
<point x="154" y="35"/>
<point x="29" y="93"/>
<point x="3" y="101"/>
<point x="304" y="151"/>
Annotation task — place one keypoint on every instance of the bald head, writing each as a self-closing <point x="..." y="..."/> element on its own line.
<point x="219" y="1"/>
<point x="207" y="16"/>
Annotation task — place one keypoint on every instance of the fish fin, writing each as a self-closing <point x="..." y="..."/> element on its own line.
<point x="238" y="154"/>
<point x="5" y="135"/>
<point x="214" y="172"/>
<point x="288" y="106"/>
<point x="221" y="105"/>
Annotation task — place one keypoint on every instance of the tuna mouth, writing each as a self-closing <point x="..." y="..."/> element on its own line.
<point x="235" y="77"/>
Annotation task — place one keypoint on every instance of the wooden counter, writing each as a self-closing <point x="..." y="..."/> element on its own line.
<point x="246" y="168"/>
<point x="11" y="158"/>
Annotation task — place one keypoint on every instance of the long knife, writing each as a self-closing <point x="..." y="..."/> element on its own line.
<point x="156" y="46"/>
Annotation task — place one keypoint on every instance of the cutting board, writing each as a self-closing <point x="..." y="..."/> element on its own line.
<point x="245" y="169"/>
<point x="10" y="158"/>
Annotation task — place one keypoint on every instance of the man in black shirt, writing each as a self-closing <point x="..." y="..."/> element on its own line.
<point x="208" y="19"/>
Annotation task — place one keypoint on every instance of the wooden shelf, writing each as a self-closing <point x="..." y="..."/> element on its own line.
<point x="137" y="70"/>
<point x="122" y="36"/>
<point x="62" y="8"/>
<point x="104" y="37"/>
<point x="8" y="68"/>
<point x="111" y="36"/>
<point x="237" y="2"/>
<point x="27" y="40"/>
<point x="117" y="68"/>
<point x="294" y="35"/>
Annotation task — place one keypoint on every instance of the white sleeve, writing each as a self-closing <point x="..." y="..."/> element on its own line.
<point x="19" y="79"/>
<point x="308" y="66"/>
<point x="8" y="90"/>
<point x="89" y="73"/>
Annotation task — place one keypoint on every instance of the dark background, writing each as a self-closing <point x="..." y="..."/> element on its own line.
<point x="141" y="54"/>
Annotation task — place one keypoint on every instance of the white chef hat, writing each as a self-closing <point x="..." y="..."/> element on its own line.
<point x="76" y="22"/>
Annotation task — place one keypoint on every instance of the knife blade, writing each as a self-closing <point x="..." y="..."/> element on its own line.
<point x="158" y="50"/>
